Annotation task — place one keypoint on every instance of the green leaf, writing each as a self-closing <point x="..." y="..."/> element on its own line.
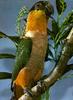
<point x="21" y="20"/>
<point x="68" y="22"/>
<point x="4" y="55"/>
<point x="46" y="95"/>
<point x="63" y="34"/>
<point x="55" y="27"/>
<point x="61" y="6"/>
<point x="13" y="38"/>
<point x="5" y="75"/>
<point x="2" y="35"/>
<point x="51" y="33"/>
<point x="69" y="19"/>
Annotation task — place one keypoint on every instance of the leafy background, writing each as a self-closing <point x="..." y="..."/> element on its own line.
<point x="63" y="89"/>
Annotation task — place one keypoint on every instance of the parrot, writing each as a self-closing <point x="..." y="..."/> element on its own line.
<point x="31" y="51"/>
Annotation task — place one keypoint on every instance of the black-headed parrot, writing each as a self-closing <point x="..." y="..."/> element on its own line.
<point x="32" y="49"/>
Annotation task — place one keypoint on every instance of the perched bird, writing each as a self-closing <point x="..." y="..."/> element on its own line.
<point x="32" y="48"/>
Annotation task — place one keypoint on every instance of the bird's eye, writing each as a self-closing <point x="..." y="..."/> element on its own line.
<point x="38" y="6"/>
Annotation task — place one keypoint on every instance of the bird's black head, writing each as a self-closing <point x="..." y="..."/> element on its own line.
<point x="45" y="6"/>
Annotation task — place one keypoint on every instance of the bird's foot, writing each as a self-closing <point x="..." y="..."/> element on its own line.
<point x="28" y="91"/>
<point x="41" y="86"/>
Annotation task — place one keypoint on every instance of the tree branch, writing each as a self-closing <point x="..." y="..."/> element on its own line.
<point x="69" y="67"/>
<point x="56" y="73"/>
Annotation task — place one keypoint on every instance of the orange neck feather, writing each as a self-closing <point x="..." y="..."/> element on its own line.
<point x="36" y="21"/>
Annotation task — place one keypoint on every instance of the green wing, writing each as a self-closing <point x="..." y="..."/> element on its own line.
<point x="22" y="56"/>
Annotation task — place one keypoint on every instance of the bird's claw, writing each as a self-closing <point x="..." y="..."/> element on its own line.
<point x="40" y="85"/>
<point x="28" y="91"/>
